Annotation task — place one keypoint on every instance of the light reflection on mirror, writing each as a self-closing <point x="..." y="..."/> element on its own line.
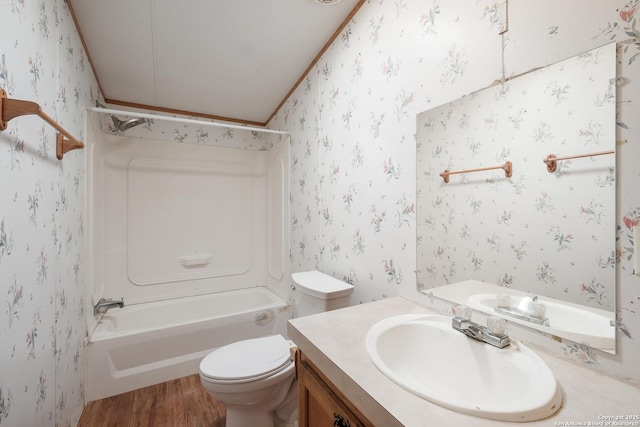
<point x="546" y="233"/>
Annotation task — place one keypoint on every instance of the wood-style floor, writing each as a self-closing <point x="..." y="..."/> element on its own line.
<point x="177" y="403"/>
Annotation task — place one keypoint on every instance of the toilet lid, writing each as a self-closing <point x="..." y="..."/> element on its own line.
<point x="251" y="358"/>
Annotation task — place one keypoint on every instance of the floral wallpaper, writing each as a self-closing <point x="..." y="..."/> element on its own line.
<point x="551" y="234"/>
<point x="352" y="121"/>
<point x="42" y="323"/>
<point x="353" y="134"/>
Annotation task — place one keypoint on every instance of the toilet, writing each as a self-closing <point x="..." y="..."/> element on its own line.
<point x="254" y="378"/>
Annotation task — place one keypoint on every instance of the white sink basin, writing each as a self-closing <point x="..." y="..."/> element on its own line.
<point x="582" y="325"/>
<point x="427" y="357"/>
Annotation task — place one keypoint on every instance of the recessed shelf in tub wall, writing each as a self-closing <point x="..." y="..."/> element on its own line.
<point x="195" y="261"/>
<point x="12" y="108"/>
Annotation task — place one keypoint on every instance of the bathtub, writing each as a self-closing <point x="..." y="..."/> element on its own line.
<point x="149" y="343"/>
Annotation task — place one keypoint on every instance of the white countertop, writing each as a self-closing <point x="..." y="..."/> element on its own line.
<point x="334" y="341"/>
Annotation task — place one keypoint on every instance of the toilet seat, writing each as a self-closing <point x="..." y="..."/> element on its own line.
<point x="247" y="360"/>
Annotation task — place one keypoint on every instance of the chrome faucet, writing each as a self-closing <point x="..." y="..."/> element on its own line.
<point x="479" y="333"/>
<point x="529" y="309"/>
<point x="105" y="304"/>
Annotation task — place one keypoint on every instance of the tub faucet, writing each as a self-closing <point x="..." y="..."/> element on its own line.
<point x="479" y="333"/>
<point x="105" y="304"/>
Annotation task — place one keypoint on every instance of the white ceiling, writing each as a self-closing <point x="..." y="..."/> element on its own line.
<point x="234" y="59"/>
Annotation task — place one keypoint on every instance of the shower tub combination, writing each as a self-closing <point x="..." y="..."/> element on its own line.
<point x="193" y="237"/>
<point x="145" y="344"/>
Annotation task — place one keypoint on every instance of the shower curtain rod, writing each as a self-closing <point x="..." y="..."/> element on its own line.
<point x="179" y="120"/>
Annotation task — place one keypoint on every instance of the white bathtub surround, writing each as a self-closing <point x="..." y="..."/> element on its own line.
<point x="380" y="399"/>
<point x="193" y="234"/>
<point x="175" y="219"/>
<point x="149" y="343"/>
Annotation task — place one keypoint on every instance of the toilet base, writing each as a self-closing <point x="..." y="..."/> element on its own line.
<point x="243" y="418"/>
<point x="284" y="415"/>
<point x="259" y="419"/>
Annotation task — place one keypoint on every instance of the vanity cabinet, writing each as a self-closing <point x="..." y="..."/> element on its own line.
<point x="320" y="402"/>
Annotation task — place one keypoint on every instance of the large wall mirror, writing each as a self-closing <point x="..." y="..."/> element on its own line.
<point x="527" y="231"/>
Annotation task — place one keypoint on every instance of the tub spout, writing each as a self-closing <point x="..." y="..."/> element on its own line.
<point x="105" y="304"/>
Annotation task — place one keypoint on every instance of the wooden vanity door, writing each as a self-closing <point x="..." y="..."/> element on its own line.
<point x="319" y="405"/>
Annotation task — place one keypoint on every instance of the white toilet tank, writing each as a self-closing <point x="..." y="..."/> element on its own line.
<point x="318" y="292"/>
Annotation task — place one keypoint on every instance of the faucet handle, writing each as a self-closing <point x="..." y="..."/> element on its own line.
<point x="462" y="311"/>
<point x="496" y="325"/>
<point x="503" y="300"/>
<point x="537" y="309"/>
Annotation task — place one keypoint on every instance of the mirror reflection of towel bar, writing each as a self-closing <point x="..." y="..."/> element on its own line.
<point x="551" y="159"/>
<point x="508" y="171"/>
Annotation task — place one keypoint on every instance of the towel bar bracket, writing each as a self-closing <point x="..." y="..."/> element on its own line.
<point x="551" y="162"/>
<point x="12" y="108"/>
